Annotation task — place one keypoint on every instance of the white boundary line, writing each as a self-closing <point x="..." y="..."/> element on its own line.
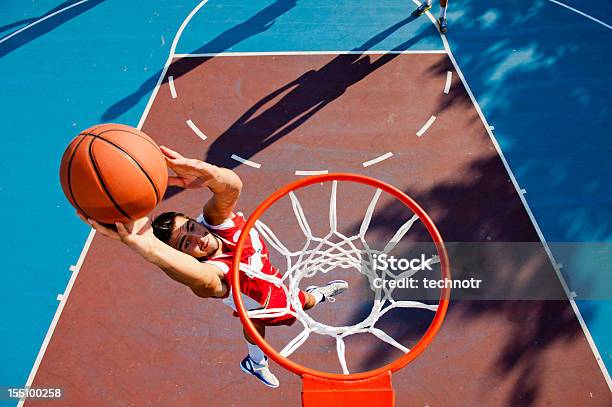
<point x="245" y="161"/>
<point x="549" y="253"/>
<point x="608" y="26"/>
<point x="279" y="53"/>
<point x="377" y="159"/>
<point x="449" y="78"/>
<point x="172" y="55"/>
<point x="11" y="35"/>
<point x="172" y="88"/>
<point x="305" y="172"/>
<point x="196" y="130"/>
<point x="426" y="126"/>
<point x="62" y="298"/>
<point x="58" y="312"/>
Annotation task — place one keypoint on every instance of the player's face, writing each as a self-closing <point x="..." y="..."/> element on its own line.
<point x="192" y="238"/>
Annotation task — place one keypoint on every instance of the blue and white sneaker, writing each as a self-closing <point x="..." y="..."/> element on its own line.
<point x="260" y="371"/>
<point x="419" y="11"/>
<point x="329" y="290"/>
<point x="442" y="24"/>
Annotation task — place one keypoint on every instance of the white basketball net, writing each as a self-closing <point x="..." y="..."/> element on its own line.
<point x="321" y="255"/>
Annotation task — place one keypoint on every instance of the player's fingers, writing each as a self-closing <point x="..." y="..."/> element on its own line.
<point x="81" y="216"/>
<point x="169" y="153"/>
<point x="121" y="230"/>
<point x="103" y="230"/>
<point x="170" y="163"/>
<point x="176" y="181"/>
<point x="170" y="157"/>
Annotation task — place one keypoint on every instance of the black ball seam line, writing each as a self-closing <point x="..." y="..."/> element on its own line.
<point x="101" y="179"/>
<point x="157" y="192"/>
<point x="135" y="161"/>
<point x="91" y="133"/>
<point x="69" y="171"/>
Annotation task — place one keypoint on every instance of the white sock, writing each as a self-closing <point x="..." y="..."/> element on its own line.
<point x="318" y="296"/>
<point x="256" y="354"/>
<point x="428" y="2"/>
<point x="443" y="12"/>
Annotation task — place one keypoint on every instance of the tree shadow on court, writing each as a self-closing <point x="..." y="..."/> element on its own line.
<point x="457" y="97"/>
<point x="523" y="310"/>
<point x="257" y="24"/>
<point x="303" y="98"/>
<point x="43" y="27"/>
<point x="538" y="70"/>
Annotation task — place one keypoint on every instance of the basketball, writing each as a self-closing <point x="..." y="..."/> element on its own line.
<point x="113" y="173"/>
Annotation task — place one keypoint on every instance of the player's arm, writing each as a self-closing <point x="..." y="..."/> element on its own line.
<point x="204" y="280"/>
<point x="223" y="183"/>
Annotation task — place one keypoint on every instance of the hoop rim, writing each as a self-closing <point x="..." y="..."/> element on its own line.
<point x="296" y="368"/>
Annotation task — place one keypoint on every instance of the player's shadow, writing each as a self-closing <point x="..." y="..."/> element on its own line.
<point x="257" y="24"/>
<point x="484" y="218"/>
<point x="44" y="27"/>
<point x="302" y="98"/>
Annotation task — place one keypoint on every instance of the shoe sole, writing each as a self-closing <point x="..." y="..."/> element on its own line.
<point x="251" y="373"/>
<point x="419" y="14"/>
<point x="442" y="30"/>
<point x="331" y="282"/>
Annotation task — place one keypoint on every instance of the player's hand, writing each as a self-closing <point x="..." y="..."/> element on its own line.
<point x="136" y="235"/>
<point x="190" y="173"/>
<point x="100" y="228"/>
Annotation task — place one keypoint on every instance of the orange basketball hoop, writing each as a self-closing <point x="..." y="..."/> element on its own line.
<point x="334" y="389"/>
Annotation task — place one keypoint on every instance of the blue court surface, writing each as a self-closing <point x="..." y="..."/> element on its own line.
<point x="540" y="71"/>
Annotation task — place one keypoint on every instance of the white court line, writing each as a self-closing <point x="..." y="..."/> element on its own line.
<point x="172" y="88"/>
<point x="551" y="257"/>
<point x="175" y="41"/>
<point x="377" y="159"/>
<point x="58" y="312"/>
<point x="426" y="126"/>
<point x="196" y="130"/>
<point x="245" y="161"/>
<point x="62" y="299"/>
<point x="11" y="35"/>
<point x="449" y="78"/>
<point x="279" y="53"/>
<point x="319" y="172"/>
<point x="608" y="26"/>
<point x="144" y="116"/>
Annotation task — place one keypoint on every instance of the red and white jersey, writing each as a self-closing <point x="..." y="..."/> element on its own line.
<point x="254" y="257"/>
<point x="256" y="292"/>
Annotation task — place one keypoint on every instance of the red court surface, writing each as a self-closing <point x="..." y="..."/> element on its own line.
<point x="130" y="336"/>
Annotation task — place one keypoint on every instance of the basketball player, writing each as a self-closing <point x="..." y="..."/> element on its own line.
<point x="198" y="252"/>
<point x="426" y="5"/>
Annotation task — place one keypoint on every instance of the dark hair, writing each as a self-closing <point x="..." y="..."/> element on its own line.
<point x="163" y="225"/>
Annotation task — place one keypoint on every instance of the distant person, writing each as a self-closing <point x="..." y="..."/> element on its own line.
<point x="426" y="5"/>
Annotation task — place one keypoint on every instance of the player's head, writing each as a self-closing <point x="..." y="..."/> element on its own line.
<point x="185" y="234"/>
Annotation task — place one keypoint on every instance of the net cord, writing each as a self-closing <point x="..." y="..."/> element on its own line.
<point x="321" y="255"/>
